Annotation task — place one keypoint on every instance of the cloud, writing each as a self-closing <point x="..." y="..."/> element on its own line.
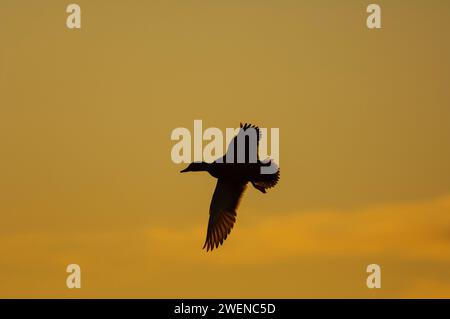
<point x="415" y="231"/>
<point x="320" y="253"/>
<point x="286" y="255"/>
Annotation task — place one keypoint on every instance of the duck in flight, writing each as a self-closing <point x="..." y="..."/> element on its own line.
<point x="233" y="172"/>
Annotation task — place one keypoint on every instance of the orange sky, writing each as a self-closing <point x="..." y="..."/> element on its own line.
<point x="85" y="169"/>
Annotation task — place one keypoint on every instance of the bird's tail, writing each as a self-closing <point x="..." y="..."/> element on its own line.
<point x="265" y="181"/>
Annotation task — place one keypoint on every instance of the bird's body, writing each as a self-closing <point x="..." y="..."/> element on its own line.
<point x="233" y="175"/>
<point x="237" y="171"/>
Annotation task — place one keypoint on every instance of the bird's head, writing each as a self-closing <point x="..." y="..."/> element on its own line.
<point x="196" y="167"/>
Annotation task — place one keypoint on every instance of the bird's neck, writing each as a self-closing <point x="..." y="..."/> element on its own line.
<point x="203" y="166"/>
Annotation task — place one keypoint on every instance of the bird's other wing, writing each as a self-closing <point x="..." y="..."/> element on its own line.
<point x="245" y="129"/>
<point x="222" y="212"/>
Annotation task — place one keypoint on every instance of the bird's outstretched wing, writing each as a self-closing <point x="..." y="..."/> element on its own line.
<point x="222" y="212"/>
<point x="248" y="134"/>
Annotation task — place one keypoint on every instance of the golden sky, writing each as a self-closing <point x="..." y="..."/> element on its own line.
<point x="85" y="169"/>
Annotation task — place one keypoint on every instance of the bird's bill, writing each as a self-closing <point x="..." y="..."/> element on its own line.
<point x="185" y="170"/>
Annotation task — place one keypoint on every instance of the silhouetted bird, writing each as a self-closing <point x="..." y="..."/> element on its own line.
<point x="233" y="171"/>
